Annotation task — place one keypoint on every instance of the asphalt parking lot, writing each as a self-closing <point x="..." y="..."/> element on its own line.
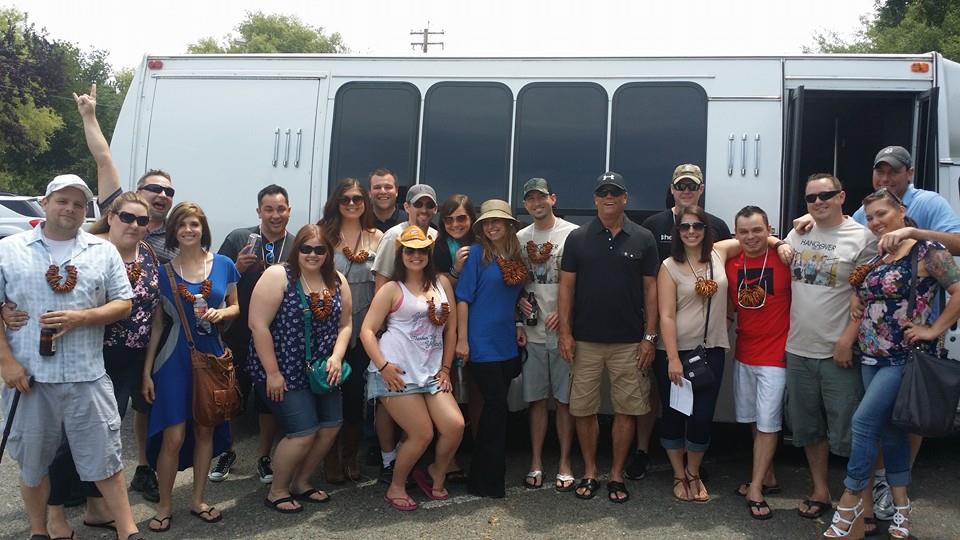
<point x="358" y="510"/>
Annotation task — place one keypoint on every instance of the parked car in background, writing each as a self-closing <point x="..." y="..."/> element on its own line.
<point x="18" y="213"/>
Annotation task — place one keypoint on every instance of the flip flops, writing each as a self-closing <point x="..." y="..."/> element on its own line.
<point x="409" y="506"/>
<point x="759" y="505"/>
<point x="425" y="483"/>
<point x="307" y="496"/>
<point x="765" y="489"/>
<point x="589" y="484"/>
<point x="206" y="516"/>
<point x="275" y="505"/>
<point x="565" y="483"/>
<point x="815" y="509"/>
<point x="109" y="525"/>
<point x="533" y="480"/>
<point x="161" y="527"/>
<point x="614" y="487"/>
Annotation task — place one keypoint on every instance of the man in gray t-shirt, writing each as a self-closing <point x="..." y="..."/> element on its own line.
<point x="823" y="383"/>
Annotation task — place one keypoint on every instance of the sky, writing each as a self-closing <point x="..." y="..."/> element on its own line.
<point x="128" y="29"/>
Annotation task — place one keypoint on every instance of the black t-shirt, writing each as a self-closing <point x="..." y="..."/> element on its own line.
<point x="399" y="216"/>
<point x="608" y="295"/>
<point x="663" y="224"/>
<point x="238" y="335"/>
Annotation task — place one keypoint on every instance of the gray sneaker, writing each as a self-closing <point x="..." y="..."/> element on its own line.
<point x="882" y="500"/>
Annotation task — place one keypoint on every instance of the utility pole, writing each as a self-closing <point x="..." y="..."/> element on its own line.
<point x="425" y="42"/>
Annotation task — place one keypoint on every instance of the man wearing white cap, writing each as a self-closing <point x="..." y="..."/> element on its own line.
<point x="74" y="284"/>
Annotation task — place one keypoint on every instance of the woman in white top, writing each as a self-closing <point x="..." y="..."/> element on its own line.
<point x="410" y="364"/>
<point x="692" y="283"/>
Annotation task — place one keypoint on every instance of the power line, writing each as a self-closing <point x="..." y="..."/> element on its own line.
<point x="425" y="42"/>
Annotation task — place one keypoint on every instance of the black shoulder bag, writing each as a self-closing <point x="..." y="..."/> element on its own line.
<point x="695" y="367"/>
<point x="930" y="389"/>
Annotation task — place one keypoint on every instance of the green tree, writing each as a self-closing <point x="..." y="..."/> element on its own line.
<point x="272" y="33"/>
<point x="902" y="26"/>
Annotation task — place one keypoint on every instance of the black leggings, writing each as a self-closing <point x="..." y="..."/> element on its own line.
<point x="489" y="464"/>
<point x="353" y="387"/>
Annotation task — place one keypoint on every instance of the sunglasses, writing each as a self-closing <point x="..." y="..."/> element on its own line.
<point x="462" y="219"/>
<point x="884" y="192"/>
<point x="686" y="186"/>
<point x="128" y="218"/>
<point x="823" y="196"/>
<point x="158" y="189"/>
<point x="318" y="250"/>
<point x="268" y="252"/>
<point x="428" y="203"/>
<point x="609" y="192"/>
<point x="356" y="200"/>
<point x="696" y="225"/>
<point x="414" y="251"/>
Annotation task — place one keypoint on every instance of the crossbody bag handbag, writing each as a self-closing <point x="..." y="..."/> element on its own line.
<point x="930" y="389"/>
<point x="216" y="396"/>
<point x="695" y="367"/>
<point x="316" y="367"/>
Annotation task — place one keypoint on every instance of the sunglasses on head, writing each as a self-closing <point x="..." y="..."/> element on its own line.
<point x="823" y="196"/>
<point x="356" y="200"/>
<point x="696" y="225"/>
<point x="420" y="203"/>
<point x="127" y="217"/>
<point x="158" y="189"/>
<point x="609" y="192"/>
<point x="414" y="251"/>
<point x="686" y="186"/>
<point x="307" y="249"/>
<point x="461" y="219"/>
<point x="884" y="192"/>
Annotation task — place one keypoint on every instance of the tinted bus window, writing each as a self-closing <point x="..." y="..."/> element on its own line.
<point x="655" y="127"/>
<point x="466" y="140"/>
<point x="375" y="124"/>
<point x="561" y="135"/>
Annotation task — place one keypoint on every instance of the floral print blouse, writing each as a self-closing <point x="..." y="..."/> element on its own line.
<point x="133" y="332"/>
<point x="885" y="294"/>
<point x="289" y="340"/>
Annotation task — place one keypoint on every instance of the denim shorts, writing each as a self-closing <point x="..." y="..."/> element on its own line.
<point x="302" y="412"/>
<point x="377" y="388"/>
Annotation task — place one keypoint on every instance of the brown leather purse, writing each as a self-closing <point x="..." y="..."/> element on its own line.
<point x="216" y="396"/>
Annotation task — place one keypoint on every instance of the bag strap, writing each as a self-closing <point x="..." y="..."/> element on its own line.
<point x="307" y="324"/>
<point x="912" y="302"/>
<point x="709" y="304"/>
<point x="176" y="301"/>
<point x="153" y="254"/>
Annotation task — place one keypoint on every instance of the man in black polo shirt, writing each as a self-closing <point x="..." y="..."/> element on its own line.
<point x="687" y="190"/>
<point x="383" y="194"/>
<point x="608" y="320"/>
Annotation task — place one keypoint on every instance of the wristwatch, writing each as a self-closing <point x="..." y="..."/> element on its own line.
<point x="652" y="338"/>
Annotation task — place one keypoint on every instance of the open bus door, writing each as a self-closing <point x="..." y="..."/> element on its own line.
<point x="793" y="135"/>
<point x="925" y="156"/>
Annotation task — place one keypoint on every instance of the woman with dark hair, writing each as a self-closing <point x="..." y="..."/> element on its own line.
<point x="457" y="216"/>
<point x="410" y="364"/>
<point x="885" y="333"/>
<point x="300" y="311"/>
<point x="348" y="221"/>
<point x="692" y="301"/>
<point x="204" y="286"/>
<point x="487" y="293"/>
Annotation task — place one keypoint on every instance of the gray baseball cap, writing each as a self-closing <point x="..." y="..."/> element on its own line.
<point x="420" y="191"/>
<point x="895" y="156"/>
<point x="536" y="184"/>
<point x="69" y="180"/>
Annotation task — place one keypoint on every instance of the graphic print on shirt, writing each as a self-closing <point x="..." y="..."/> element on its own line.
<point x="756" y="276"/>
<point x="425" y="334"/>
<point x="815" y="263"/>
<point x="547" y="272"/>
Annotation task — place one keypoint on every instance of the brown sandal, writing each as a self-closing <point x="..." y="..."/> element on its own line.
<point x="686" y="489"/>
<point x="696" y="482"/>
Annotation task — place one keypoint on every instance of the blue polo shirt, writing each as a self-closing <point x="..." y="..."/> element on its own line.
<point x="491" y="332"/>
<point x="928" y="208"/>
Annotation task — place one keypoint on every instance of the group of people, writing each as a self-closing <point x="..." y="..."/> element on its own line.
<point x="372" y="305"/>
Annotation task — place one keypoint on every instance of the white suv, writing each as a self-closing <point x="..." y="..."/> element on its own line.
<point x="18" y="213"/>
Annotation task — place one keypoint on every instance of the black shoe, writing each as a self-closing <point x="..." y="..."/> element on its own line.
<point x="145" y="481"/>
<point x="637" y="469"/>
<point x="264" y="470"/>
<point x="386" y="473"/>
<point x="221" y="470"/>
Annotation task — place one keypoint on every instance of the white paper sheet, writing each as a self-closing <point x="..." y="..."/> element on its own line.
<point x="681" y="397"/>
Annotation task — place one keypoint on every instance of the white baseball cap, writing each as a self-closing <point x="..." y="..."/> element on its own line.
<point x="69" y="180"/>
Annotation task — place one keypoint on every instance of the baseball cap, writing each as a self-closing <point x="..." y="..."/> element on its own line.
<point x="610" y="178"/>
<point x="419" y="191"/>
<point x="895" y="156"/>
<point x="414" y="237"/>
<point x="69" y="180"/>
<point x="536" y="184"/>
<point x="687" y="171"/>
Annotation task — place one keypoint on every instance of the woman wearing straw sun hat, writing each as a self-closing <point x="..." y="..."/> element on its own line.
<point x="490" y="284"/>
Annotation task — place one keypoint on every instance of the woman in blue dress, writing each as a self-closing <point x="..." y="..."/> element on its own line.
<point x="202" y="280"/>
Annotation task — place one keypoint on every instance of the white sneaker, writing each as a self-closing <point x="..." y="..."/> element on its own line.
<point x="882" y="500"/>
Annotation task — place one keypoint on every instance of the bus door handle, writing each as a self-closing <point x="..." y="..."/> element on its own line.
<point x="756" y="155"/>
<point x="296" y="162"/>
<point x="730" y="154"/>
<point x="276" y="145"/>
<point x="743" y="155"/>
<point x="286" y="150"/>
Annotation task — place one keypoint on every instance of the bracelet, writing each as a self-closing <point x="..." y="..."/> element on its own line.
<point x="385" y="364"/>
<point x="778" y="244"/>
<point x="445" y="368"/>
<point x="454" y="274"/>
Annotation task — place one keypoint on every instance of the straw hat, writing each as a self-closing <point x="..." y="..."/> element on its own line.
<point x="495" y="209"/>
<point x="414" y="237"/>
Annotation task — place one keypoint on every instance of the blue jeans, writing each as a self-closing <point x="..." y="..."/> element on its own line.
<point x="678" y="430"/>
<point x="871" y="425"/>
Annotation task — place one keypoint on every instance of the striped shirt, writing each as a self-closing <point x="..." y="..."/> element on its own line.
<point x="101" y="278"/>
